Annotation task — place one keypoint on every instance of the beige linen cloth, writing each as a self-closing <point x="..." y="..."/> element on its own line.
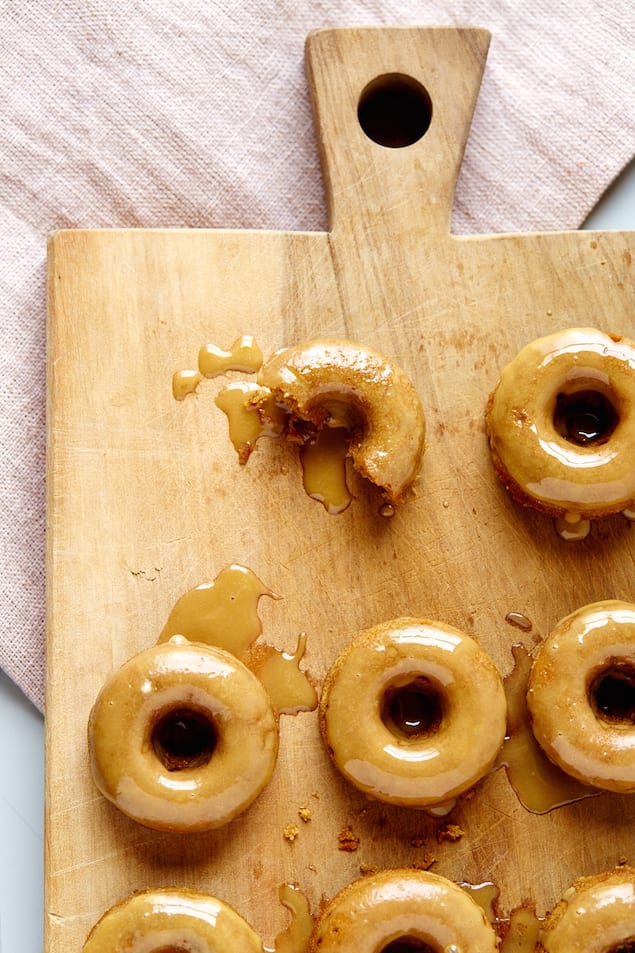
<point x="195" y="113"/>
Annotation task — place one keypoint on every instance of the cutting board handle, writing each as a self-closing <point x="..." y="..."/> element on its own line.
<point x="401" y="83"/>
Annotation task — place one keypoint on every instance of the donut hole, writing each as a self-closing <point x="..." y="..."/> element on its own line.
<point x="612" y="694"/>
<point x="184" y="738"/>
<point x="408" y="944"/>
<point x="412" y="708"/>
<point x="585" y="417"/>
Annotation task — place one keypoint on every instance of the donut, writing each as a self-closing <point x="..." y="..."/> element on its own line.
<point x="338" y="383"/>
<point x="413" y="712"/>
<point x="581" y="695"/>
<point x="561" y="424"/>
<point x="182" y="737"/>
<point x="596" y="915"/>
<point x="403" y="911"/>
<point x="157" y="921"/>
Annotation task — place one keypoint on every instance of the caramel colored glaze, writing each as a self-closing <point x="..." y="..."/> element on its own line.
<point x="288" y="688"/>
<point x="595" y="915"/>
<point x="571" y="530"/>
<point x="341" y="384"/>
<point x="582" y="464"/>
<point x="251" y="413"/>
<point x="244" y="355"/>
<point x="519" y="621"/>
<point x="539" y="785"/>
<point x="185" y="383"/>
<point x="173" y="919"/>
<point x="522" y="933"/>
<point x="187" y="794"/>
<point x="324" y="468"/>
<point x="486" y="895"/>
<point x="418" y="908"/>
<point x="224" y="613"/>
<point x="401" y="713"/>
<point x="581" y="695"/>
<point x="294" y="938"/>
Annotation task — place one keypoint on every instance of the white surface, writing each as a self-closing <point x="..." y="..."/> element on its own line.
<point x="22" y="731"/>
<point x="21" y="821"/>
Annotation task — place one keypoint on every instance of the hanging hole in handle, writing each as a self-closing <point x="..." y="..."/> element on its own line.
<point x="394" y="110"/>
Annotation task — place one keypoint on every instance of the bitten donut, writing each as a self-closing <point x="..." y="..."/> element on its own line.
<point x="561" y="424"/>
<point x="596" y="915"/>
<point x="413" y="712"/>
<point x="581" y="695"/>
<point x="157" y="921"/>
<point x="182" y="737"/>
<point x="409" y="911"/>
<point x="339" y="383"/>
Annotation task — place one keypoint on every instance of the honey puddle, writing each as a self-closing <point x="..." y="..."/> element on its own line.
<point x="523" y="932"/>
<point x="324" y="469"/>
<point x="571" y="528"/>
<point x="252" y="412"/>
<point x="294" y="938"/>
<point x="485" y="894"/>
<point x="244" y="355"/>
<point x="539" y="785"/>
<point x="224" y="614"/>
<point x="520" y="930"/>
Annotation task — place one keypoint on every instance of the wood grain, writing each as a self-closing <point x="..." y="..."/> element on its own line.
<point x="146" y="499"/>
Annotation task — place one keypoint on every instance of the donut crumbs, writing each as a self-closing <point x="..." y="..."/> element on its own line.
<point x="451" y="832"/>
<point x="367" y="869"/>
<point x="347" y="841"/>
<point x="304" y="814"/>
<point x="290" y="832"/>
<point x="426" y="862"/>
<point x="417" y="841"/>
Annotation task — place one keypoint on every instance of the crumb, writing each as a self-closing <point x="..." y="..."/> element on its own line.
<point x="316" y="795"/>
<point x="290" y="832"/>
<point x="304" y="814"/>
<point x="451" y="832"/>
<point x="347" y="841"/>
<point x="312" y="868"/>
<point x="417" y="841"/>
<point x="366" y="869"/>
<point x="623" y="860"/>
<point x="425" y="863"/>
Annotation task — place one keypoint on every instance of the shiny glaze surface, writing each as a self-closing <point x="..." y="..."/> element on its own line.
<point x="222" y="613"/>
<point x="379" y="909"/>
<point x="172" y="676"/>
<point x="340" y="383"/>
<point x="425" y="769"/>
<point x="171" y="919"/>
<point x="539" y="784"/>
<point x="537" y="464"/>
<point x="251" y="413"/>
<point x="588" y="746"/>
<point x="596" y="915"/>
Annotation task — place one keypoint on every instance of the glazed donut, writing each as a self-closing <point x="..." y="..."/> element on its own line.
<point x="410" y="911"/>
<point x="341" y="384"/>
<point x="182" y="737"/>
<point x="596" y="915"/>
<point x="413" y="712"/>
<point x="561" y="424"/>
<point x="156" y="921"/>
<point x="581" y="695"/>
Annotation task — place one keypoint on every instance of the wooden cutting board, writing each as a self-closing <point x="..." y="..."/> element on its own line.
<point x="147" y="500"/>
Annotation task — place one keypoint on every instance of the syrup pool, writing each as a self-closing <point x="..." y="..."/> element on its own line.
<point x="224" y="614"/>
<point x="539" y="785"/>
